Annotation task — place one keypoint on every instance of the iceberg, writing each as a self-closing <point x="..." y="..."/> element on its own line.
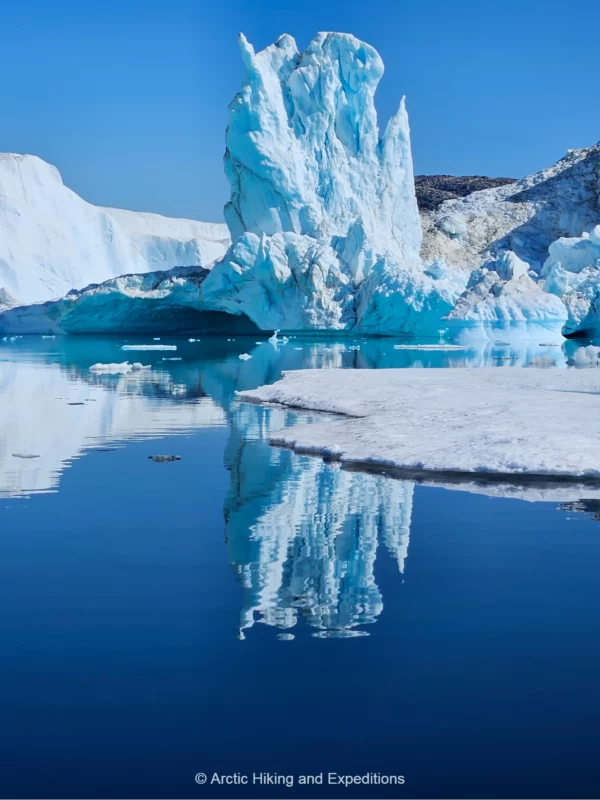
<point x="326" y="233"/>
<point x="572" y="272"/>
<point x="502" y="298"/>
<point x="321" y="201"/>
<point x="52" y="241"/>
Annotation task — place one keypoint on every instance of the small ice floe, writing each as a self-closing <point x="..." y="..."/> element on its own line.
<point x="285" y="339"/>
<point x="25" y="455"/>
<point x="354" y="347"/>
<point x="112" y="369"/>
<point x="149" y="347"/>
<point x="193" y="340"/>
<point x="429" y="347"/>
<point x="176" y="358"/>
<point x="245" y="356"/>
<point x="156" y="339"/>
<point x="297" y="348"/>
<point x="285" y="637"/>
<point x="273" y="339"/>
<point x="48" y="337"/>
<point x="163" y="459"/>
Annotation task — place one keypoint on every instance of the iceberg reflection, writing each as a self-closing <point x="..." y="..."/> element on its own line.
<point x="303" y="535"/>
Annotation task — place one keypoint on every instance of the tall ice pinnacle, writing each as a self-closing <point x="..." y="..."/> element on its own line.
<point x="304" y="154"/>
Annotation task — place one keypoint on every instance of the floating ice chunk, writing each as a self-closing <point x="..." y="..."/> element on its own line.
<point x="149" y="347"/>
<point x="164" y="459"/>
<point x="112" y="369"/>
<point x="25" y="455"/>
<point x="177" y="358"/>
<point x="245" y="356"/>
<point x="429" y="347"/>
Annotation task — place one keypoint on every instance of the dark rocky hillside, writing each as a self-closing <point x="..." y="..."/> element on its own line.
<point x="433" y="190"/>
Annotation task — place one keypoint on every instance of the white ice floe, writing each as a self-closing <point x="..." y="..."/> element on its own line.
<point x="123" y="368"/>
<point x="112" y="369"/>
<point x="503" y="421"/>
<point x="429" y="347"/>
<point x="149" y="347"/>
<point x="245" y="356"/>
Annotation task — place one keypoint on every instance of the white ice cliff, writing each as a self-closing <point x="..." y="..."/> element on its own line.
<point x="52" y="241"/>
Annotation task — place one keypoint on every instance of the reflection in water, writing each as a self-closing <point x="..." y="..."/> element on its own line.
<point x="590" y="506"/>
<point x="303" y="535"/>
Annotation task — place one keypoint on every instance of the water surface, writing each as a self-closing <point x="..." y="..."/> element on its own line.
<point x="245" y="609"/>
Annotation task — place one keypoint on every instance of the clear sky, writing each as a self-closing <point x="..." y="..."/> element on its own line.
<point x="129" y="98"/>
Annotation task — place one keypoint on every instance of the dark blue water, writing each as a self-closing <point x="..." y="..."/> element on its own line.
<point x="246" y="610"/>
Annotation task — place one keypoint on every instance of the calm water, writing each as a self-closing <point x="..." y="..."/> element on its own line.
<point x="248" y="610"/>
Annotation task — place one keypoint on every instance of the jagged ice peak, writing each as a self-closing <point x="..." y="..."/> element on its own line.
<point x="304" y="152"/>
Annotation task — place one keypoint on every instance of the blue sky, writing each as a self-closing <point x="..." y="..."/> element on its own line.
<point x="129" y="99"/>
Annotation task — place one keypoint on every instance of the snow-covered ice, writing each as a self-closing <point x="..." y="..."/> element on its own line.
<point x="503" y="421"/>
<point x="52" y="241"/>
<point x="524" y="217"/>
